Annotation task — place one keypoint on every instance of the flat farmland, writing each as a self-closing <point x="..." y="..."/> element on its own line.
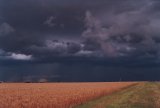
<point x="55" y="95"/>
<point x="142" y="95"/>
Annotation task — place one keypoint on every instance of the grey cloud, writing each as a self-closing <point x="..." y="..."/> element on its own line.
<point x="4" y="55"/>
<point x="93" y="40"/>
<point x="112" y="28"/>
<point x="74" y="47"/>
<point x="14" y="56"/>
<point x="91" y="44"/>
<point x="6" y="29"/>
<point x="120" y="26"/>
<point x="95" y="31"/>
<point x="53" y="48"/>
<point x="50" y="21"/>
<point x="1" y="52"/>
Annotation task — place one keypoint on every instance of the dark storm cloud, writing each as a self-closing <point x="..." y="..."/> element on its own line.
<point x="83" y="37"/>
<point x="53" y="48"/>
<point x="113" y="28"/>
<point x="76" y="69"/>
<point x="123" y="30"/>
<point x="31" y="15"/>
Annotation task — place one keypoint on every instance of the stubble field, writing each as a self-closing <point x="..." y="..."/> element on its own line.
<point x="54" y="95"/>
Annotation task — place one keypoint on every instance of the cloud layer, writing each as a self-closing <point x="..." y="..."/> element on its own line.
<point x="105" y="29"/>
<point x="78" y="34"/>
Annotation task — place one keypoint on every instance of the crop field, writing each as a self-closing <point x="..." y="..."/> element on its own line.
<point x="55" y="95"/>
<point x="142" y="95"/>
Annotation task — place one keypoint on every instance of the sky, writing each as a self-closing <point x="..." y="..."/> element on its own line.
<point x="79" y="40"/>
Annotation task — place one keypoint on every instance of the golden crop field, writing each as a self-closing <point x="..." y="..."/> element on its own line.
<point x="54" y="95"/>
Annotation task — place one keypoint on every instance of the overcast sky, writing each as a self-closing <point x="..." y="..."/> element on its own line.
<point x="79" y="40"/>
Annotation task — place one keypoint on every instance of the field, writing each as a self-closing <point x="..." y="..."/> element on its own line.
<point x="142" y="95"/>
<point x="55" y="95"/>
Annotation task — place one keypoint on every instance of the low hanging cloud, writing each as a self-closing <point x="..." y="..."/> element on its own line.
<point x="55" y="48"/>
<point x="20" y="56"/>
<point x="14" y="56"/>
